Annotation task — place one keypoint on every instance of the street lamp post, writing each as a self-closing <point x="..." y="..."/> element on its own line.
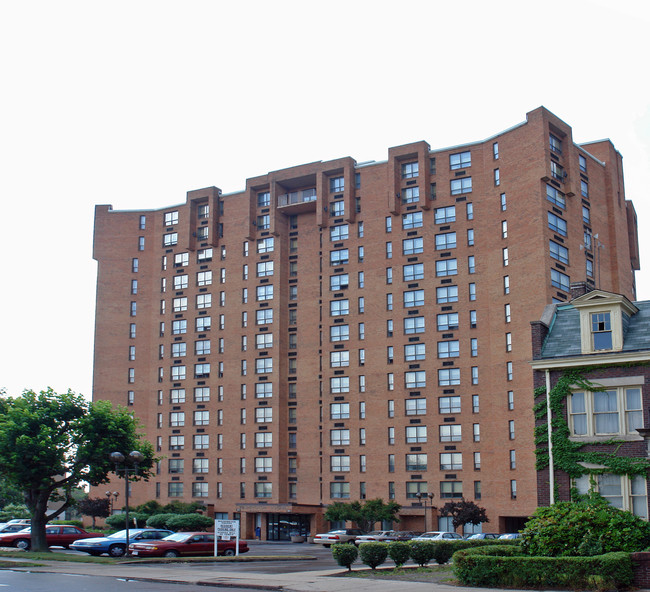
<point x="112" y="496"/>
<point x="423" y="497"/>
<point x="127" y="465"/>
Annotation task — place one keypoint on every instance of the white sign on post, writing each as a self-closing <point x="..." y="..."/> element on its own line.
<point x="225" y="530"/>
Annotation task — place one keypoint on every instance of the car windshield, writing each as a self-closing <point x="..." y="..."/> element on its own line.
<point x="375" y="532"/>
<point x="178" y="537"/>
<point x="28" y="529"/>
<point x="121" y="534"/>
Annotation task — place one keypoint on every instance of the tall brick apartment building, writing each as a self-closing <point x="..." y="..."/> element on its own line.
<point x="343" y="330"/>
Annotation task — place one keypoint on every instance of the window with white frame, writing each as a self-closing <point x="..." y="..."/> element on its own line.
<point x="602" y="413"/>
<point x="445" y="294"/>
<point x="451" y="461"/>
<point x="621" y="491"/>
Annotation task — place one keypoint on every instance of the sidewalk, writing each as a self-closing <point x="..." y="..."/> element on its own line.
<point x="307" y="581"/>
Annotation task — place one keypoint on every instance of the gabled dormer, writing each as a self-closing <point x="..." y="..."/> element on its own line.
<point x="604" y="317"/>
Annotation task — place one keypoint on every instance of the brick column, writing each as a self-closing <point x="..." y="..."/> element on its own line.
<point x="641" y="563"/>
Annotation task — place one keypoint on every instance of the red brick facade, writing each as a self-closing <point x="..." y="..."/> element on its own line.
<point x="389" y="281"/>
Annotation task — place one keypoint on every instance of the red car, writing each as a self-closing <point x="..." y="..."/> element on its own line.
<point x="55" y="535"/>
<point x="185" y="543"/>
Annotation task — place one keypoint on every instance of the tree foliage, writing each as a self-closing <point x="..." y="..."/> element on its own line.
<point x="95" y="507"/>
<point x="50" y="443"/>
<point x="464" y="512"/>
<point x="365" y="515"/>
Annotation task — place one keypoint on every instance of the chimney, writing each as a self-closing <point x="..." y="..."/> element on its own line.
<point x="579" y="289"/>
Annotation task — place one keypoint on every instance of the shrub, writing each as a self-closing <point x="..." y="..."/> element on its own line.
<point x="499" y="567"/>
<point x="136" y="520"/>
<point x="159" y="520"/>
<point x="189" y="522"/>
<point x="78" y="523"/>
<point x="399" y="552"/>
<point x="422" y="551"/>
<point x="373" y="554"/>
<point x="345" y="554"/>
<point x="589" y="526"/>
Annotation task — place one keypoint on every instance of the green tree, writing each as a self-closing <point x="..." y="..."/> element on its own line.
<point x="95" y="507"/>
<point x="9" y="494"/>
<point x="365" y="515"/>
<point x="464" y="512"/>
<point x="50" y="443"/>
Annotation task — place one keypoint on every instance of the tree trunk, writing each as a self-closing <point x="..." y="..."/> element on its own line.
<point x="37" y="502"/>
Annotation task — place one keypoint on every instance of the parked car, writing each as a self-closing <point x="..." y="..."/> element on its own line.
<point x="482" y="536"/>
<point x="186" y="543"/>
<point x="437" y="535"/>
<point x="8" y="528"/>
<point x="383" y="536"/>
<point x="341" y="535"/>
<point x="406" y="535"/>
<point x="55" y="536"/>
<point x="510" y="536"/>
<point x="115" y="544"/>
<point x="25" y="521"/>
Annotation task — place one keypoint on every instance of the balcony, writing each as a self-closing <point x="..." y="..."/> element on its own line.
<point x="299" y="201"/>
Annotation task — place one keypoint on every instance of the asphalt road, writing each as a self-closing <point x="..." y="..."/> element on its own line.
<point x="43" y="582"/>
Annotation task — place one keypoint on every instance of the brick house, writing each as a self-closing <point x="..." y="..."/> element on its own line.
<point x="592" y="356"/>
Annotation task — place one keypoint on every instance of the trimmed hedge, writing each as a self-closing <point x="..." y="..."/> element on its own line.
<point x="399" y="552"/>
<point x="373" y="554"/>
<point x="422" y="551"/>
<point x="345" y="554"/>
<point x="500" y="566"/>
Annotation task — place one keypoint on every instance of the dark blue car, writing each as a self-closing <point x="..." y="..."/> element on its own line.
<point x="115" y="544"/>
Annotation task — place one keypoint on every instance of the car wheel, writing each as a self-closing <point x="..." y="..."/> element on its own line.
<point x="116" y="550"/>
<point x="229" y="552"/>
<point x="171" y="553"/>
<point x="23" y="544"/>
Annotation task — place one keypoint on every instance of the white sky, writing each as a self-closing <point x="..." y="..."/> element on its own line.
<point x="134" y="103"/>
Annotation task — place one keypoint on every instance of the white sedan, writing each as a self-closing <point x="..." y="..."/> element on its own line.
<point x="437" y="535"/>
<point x="341" y="535"/>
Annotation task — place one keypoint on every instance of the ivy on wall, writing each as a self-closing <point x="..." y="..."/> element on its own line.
<point x="568" y="454"/>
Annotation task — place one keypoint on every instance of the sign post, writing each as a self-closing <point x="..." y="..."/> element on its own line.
<point x="226" y="529"/>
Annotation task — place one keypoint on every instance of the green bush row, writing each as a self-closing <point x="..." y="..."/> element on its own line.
<point x="175" y="522"/>
<point x="506" y="567"/>
<point x="421" y="552"/>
